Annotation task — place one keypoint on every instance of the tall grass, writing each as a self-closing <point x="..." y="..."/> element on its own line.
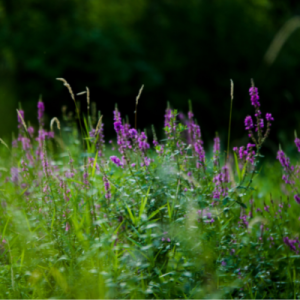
<point x="80" y="220"/>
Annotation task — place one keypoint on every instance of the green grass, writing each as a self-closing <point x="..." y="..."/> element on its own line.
<point x="161" y="234"/>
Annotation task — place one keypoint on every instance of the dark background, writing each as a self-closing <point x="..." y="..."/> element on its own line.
<point x="180" y="50"/>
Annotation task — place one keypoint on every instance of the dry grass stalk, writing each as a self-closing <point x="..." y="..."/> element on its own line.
<point x="66" y="84"/>
<point x="21" y="118"/>
<point x="99" y="124"/>
<point x="2" y="142"/>
<point x="139" y="94"/>
<point x="136" y="104"/>
<point x="81" y="93"/>
<point x="88" y="98"/>
<point x="54" y="120"/>
<point x="280" y="39"/>
<point x="231" y="88"/>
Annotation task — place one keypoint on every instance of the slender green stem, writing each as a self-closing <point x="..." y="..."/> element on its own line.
<point x="229" y="125"/>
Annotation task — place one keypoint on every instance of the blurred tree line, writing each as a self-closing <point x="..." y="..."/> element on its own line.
<point x="180" y="50"/>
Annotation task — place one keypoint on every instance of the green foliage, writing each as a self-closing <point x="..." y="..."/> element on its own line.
<point x="78" y="224"/>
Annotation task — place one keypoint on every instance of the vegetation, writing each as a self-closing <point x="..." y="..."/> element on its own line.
<point x="81" y="218"/>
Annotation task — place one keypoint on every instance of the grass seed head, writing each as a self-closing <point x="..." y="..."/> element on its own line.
<point x="54" y="120"/>
<point x="22" y="120"/>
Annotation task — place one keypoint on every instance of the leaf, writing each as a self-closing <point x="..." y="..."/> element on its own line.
<point x="237" y="166"/>
<point x="94" y="166"/>
<point x="131" y="215"/>
<point x="241" y="203"/>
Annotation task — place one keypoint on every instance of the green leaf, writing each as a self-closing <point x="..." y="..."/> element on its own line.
<point x="241" y="204"/>
<point x="237" y="166"/>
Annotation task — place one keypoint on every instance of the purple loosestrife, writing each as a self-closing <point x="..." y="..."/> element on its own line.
<point x="254" y="96"/>
<point x="30" y="130"/>
<point x="248" y="123"/>
<point x="200" y="154"/>
<point x="116" y="161"/>
<point x="297" y="198"/>
<point x="142" y="143"/>
<point x="292" y="244"/>
<point x="216" y="145"/>
<point x="287" y="167"/>
<point x="216" y="150"/>
<point x="168" y="117"/>
<point x="106" y="188"/>
<point x="118" y="126"/>
<point x="41" y="109"/>
<point x="221" y="181"/>
<point x="269" y="117"/>
<point x="14" y="175"/>
<point x="297" y="143"/>
<point x="190" y="126"/>
<point x="132" y="133"/>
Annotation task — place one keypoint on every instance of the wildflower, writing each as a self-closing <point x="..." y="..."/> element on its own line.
<point x="67" y="226"/>
<point x="291" y="244"/>
<point x="107" y="188"/>
<point x="116" y="161"/>
<point x="14" y="175"/>
<point x="30" y="130"/>
<point x="41" y="109"/>
<point x="288" y="168"/>
<point x="297" y="198"/>
<point x="269" y="117"/>
<point x="216" y="144"/>
<point x="142" y="142"/>
<point x="118" y="126"/>
<point x="254" y="96"/>
<point x="248" y="123"/>
<point x="132" y="133"/>
<point x="297" y="143"/>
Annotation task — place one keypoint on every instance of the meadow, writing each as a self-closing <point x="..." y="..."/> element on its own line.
<point x="82" y="217"/>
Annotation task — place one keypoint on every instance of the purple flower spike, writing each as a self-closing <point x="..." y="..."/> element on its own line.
<point x="41" y="109"/>
<point x="118" y="126"/>
<point x="297" y="143"/>
<point x="133" y="133"/>
<point x="254" y="96"/>
<point x="269" y="117"/>
<point x="248" y="123"/>
<point x="297" y="198"/>
<point x="216" y="144"/>
<point x="116" y="161"/>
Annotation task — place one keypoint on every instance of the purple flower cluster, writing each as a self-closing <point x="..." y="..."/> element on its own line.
<point x="287" y="167"/>
<point x="297" y="198"/>
<point x="216" y="145"/>
<point x="245" y="154"/>
<point x="292" y="244"/>
<point x="248" y="123"/>
<point x="254" y="96"/>
<point x="206" y="215"/>
<point x="269" y="117"/>
<point x="116" y="161"/>
<point x="221" y="181"/>
<point x="297" y="143"/>
<point x="41" y="109"/>
<point x="106" y="188"/>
